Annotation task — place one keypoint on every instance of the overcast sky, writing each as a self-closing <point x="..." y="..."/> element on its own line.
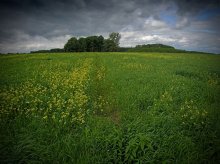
<point x="28" y="25"/>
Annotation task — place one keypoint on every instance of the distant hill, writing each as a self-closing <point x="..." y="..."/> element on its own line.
<point x="154" y="48"/>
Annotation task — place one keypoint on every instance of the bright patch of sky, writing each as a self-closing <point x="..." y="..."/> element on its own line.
<point x="169" y="18"/>
<point x="169" y="15"/>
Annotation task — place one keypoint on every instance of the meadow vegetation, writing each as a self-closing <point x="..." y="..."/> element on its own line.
<point x="110" y="108"/>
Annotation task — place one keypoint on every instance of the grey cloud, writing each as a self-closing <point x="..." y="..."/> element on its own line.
<point x="194" y="6"/>
<point x="32" y="22"/>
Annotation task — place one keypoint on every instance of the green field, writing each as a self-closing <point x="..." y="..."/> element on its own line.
<point x="110" y="108"/>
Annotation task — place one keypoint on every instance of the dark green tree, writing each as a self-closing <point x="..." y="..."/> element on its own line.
<point x="100" y="43"/>
<point x="93" y="44"/>
<point x="112" y="43"/>
<point x="72" y="45"/>
<point x="115" y="37"/>
<point x="90" y="44"/>
<point x="82" y="44"/>
<point x="109" y="46"/>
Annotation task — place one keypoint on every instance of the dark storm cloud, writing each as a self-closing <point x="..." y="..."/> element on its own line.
<point x="40" y="24"/>
<point x="194" y="6"/>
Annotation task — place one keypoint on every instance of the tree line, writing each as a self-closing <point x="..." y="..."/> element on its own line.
<point x="93" y="44"/>
<point x="155" y="48"/>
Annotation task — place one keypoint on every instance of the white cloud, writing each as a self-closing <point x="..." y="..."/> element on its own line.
<point x="188" y="37"/>
<point x="150" y="22"/>
<point x="183" y="22"/>
<point x="27" y="43"/>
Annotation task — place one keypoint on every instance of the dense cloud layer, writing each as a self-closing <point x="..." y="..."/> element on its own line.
<point x="39" y="24"/>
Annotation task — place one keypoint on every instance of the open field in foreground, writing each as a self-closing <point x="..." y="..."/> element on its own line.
<point x="110" y="108"/>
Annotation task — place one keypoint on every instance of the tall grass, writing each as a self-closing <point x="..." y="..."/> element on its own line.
<point x="110" y="108"/>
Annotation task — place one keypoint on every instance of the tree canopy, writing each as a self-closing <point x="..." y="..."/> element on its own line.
<point x="115" y="37"/>
<point x="93" y="44"/>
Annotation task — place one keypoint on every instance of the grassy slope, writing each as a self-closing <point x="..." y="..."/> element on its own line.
<point x="156" y="107"/>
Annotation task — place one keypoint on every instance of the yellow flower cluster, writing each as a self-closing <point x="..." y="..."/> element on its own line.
<point x="21" y="99"/>
<point x="101" y="73"/>
<point x="59" y="97"/>
<point x="213" y="79"/>
<point x="191" y="114"/>
<point x="134" y="66"/>
<point x="100" y="102"/>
